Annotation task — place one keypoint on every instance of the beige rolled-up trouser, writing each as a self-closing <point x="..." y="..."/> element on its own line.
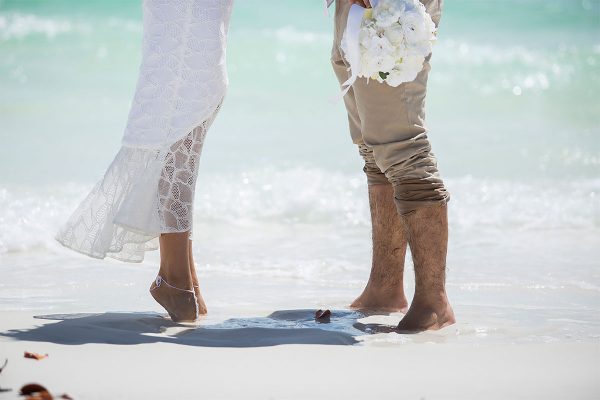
<point x="388" y="125"/>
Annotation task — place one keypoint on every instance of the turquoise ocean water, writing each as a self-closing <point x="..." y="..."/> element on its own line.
<point x="513" y="112"/>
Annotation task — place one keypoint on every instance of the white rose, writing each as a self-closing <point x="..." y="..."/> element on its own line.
<point x="380" y="46"/>
<point x="386" y="63"/>
<point x="395" y="34"/>
<point x="412" y="65"/>
<point x="374" y="65"/>
<point x="385" y="18"/>
<point x="392" y="6"/>
<point x="395" y="78"/>
<point x="422" y="48"/>
<point x="414" y="27"/>
<point x="401" y="51"/>
<point x="406" y="71"/>
<point x="365" y="36"/>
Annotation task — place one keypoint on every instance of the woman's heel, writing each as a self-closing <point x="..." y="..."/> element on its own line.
<point x="181" y="304"/>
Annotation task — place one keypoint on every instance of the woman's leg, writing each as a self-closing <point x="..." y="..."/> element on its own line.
<point x="174" y="261"/>
<point x="176" y="197"/>
<point x="173" y="288"/>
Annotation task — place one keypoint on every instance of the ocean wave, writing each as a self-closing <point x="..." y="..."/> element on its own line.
<point x="544" y="204"/>
<point x="303" y="195"/>
<point x="515" y="68"/>
<point x="19" y="26"/>
<point x="297" y="195"/>
<point x="30" y="216"/>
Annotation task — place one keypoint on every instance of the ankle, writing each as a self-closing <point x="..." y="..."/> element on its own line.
<point x="386" y="287"/>
<point x="431" y="298"/>
<point x="395" y="297"/>
<point x="176" y="277"/>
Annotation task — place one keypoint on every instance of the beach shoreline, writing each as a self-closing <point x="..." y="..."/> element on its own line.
<point x="293" y="371"/>
<point x="282" y="222"/>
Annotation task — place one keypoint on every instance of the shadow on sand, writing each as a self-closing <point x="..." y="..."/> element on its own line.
<point x="127" y="328"/>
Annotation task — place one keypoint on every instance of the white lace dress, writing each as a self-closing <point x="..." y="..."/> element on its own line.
<point x="149" y="187"/>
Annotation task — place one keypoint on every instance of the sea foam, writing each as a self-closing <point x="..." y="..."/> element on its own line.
<point x="299" y="196"/>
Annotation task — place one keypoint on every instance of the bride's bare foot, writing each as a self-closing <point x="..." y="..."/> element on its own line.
<point x="181" y="304"/>
<point x="202" y="309"/>
<point x="173" y="287"/>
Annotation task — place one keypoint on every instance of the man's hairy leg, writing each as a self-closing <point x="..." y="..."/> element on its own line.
<point x="427" y="230"/>
<point x="385" y="289"/>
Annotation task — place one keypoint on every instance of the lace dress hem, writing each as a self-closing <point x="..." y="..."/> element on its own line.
<point x="143" y="194"/>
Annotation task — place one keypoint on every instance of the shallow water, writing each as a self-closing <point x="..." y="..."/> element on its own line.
<point x="281" y="211"/>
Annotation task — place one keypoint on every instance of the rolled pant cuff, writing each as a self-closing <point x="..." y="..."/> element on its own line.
<point x="405" y="207"/>
<point x="375" y="177"/>
<point x="412" y="195"/>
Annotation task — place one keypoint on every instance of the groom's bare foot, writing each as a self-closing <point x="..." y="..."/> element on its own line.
<point x="381" y="300"/>
<point x="427" y="316"/>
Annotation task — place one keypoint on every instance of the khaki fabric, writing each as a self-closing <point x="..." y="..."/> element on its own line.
<point x="388" y="125"/>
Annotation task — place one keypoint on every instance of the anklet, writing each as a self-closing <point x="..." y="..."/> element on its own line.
<point x="159" y="281"/>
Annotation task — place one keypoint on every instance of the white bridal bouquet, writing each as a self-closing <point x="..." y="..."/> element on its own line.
<point x="388" y="42"/>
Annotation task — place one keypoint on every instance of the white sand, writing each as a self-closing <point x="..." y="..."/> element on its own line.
<point x="194" y="365"/>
